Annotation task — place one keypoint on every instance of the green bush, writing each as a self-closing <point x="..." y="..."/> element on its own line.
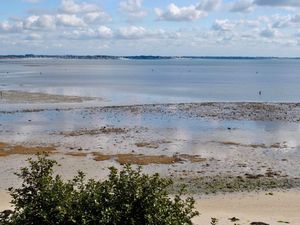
<point x="127" y="197"/>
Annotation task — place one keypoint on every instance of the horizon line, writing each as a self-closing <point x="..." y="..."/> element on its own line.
<point x="141" y="56"/>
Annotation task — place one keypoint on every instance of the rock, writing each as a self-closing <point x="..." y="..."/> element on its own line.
<point x="259" y="223"/>
<point x="234" y="219"/>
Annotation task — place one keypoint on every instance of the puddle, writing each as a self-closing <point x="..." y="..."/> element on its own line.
<point x="190" y="132"/>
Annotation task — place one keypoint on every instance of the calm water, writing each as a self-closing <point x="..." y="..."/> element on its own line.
<point x="130" y="82"/>
<point x="157" y="81"/>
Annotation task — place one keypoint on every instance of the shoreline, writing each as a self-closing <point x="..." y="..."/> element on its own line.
<point x="225" y="142"/>
<point x="254" y="111"/>
<point x="183" y="141"/>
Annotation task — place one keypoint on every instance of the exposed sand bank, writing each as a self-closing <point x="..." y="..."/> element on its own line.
<point x="34" y="97"/>
<point x="232" y="155"/>
<point x="182" y="141"/>
<point x="256" y="111"/>
<point x="253" y="207"/>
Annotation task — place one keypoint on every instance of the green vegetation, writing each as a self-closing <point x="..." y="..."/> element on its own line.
<point x="127" y="197"/>
<point x="215" y="184"/>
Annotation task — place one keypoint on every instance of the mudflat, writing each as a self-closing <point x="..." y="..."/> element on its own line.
<point x="217" y="149"/>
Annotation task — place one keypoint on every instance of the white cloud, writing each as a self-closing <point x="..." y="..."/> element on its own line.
<point x="242" y="6"/>
<point x="223" y="25"/>
<point x="175" y="13"/>
<point x="99" y="16"/>
<point x="71" y="7"/>
<point x="6" y="27"/>
<point x="123" y="33"/>
<point x="40" y="22"/>
<point x="249" y="23"/>
<point x="90" y="12"/>
<point x="133" y="8"/>
<point x="78" y="22"/>
<point x="141" y="33"/>
<point x="30" y="21"/>
<point x="70" y="20"/>
<point x="105" y="32"/>
<point x="78" y="34"/>
<point x="132" y="32"/>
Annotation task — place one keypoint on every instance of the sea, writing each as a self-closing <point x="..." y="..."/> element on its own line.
<point x="129" y="82"/>
<point x="125" y="82"/>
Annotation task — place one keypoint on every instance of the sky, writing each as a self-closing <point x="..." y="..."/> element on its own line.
<point x="151" y="27"/>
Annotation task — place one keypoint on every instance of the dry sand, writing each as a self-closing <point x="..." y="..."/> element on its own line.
<point x="4" y="200"/>
<point x="254" y="207"/>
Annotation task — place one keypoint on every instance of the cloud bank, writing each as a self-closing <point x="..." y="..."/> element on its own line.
<point x="203" y="28"/>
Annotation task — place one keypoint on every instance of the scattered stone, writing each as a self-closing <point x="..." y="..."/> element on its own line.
<point x="147" y="145"/>
<point x="259" y="223"/>
<point x="280" y="221"/>
<point x="234" y="219"/>
<point x="101" y="130"/>
<point x="29" y="97"/>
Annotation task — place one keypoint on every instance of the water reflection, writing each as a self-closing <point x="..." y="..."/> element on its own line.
<point x="186" y="134"/>
<point x="159" y="81"/>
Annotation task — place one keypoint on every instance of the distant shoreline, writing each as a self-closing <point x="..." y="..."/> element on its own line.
<point x="138" y="57"/>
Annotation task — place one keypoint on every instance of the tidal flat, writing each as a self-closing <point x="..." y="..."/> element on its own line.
<point x="212" y="147"/>
<point x="201" y="123"/>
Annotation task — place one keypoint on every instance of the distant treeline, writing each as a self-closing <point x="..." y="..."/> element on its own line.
<point x="139" y="57"/>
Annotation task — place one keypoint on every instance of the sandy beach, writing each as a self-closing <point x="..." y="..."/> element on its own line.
<point x="217" y="149"/>
<point x="126" y="103"/>
<point x="279" y="208"/>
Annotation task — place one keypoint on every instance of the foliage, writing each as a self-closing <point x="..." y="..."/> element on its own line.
<point x="127" y="197"/>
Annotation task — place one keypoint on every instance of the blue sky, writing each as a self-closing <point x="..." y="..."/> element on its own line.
<point x="134" y="27"/>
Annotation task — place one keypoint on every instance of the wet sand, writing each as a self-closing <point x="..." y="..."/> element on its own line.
<point x="288" y="112"/>
<point x="28" y="97"/>
<point x="231" y="146"/>
<point x="254" y="111"/>
<point x="183" y="141"/>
